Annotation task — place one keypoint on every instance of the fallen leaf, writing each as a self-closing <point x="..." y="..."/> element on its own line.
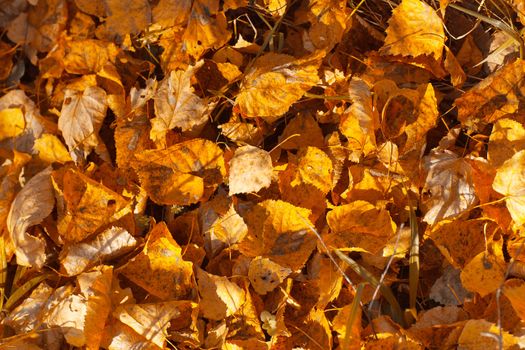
<point x="181" y="174"/>
<point x="250" y="170"/>
<point x="160" y="261"/>
<point x="177" y="105"/>
<point x="220" y="298"/>
<point x="81" y="118"/>
<point x="111" y="243"/>
<point x="413" y="30"/>
<point x="30" y="206"/>
<point x="510" y="182"/>
<point x="279" y="231"/>
<point x="265" y="275"/>
<point x="274" y="82"/>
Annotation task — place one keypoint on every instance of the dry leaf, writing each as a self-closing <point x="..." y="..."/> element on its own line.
<point x="177" y="105"/>
<point x="220" y="298"/>
<point x="279" y="231"/>
<point x="413" y="30"/>
<point x="81" y="118"/>
<point x="449" y="180"/>
<point x="86" y="205"/>
<point x="109" y="244"/>
<point x="485" y="272"/>
<point x="510" y="182"/>
<point x="182" y="174"/>
<point x="159" y="262"/>
<point x="250" y="170"/>
<point x="30" y="206"/>
<point x="359" y="226"/>
<point x="265" y="275"/>
<point x="275" y="82"/>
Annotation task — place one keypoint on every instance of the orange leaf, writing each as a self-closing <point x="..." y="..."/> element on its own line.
<point x="159" y="268"/>
<point x="275" y="82"/>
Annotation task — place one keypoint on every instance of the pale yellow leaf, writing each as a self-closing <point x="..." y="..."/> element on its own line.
<point x="30" y="206"/>
<point x="250" y="170"/>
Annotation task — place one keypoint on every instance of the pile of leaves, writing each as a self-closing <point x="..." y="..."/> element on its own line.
<point x="270" y="174"/>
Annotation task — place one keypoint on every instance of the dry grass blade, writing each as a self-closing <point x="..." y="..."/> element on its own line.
<point x="413" y="275"/>
<point x="397" y="313"/>
<point x="26" y="287"/>
<point x="356" y="303"/>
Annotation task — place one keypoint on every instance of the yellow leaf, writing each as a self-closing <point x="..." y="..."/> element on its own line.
<point x="170" y="13"/>
<point x="81" y="117"/>
<point x="177" y="105"/>
<point x="359" y="121"/>
<point x="328" y="22"/>
<point x="449" y="180"/>
<point x="507" y="138"/>
<point x="182" y="174"/>
<point x="275" y="82"/>
<point x="279" y="231"/>
<point x="88" y="56"/>
<point x="359" y="226"/>
<point x="50" y="149"/>
<point x="207" y="28"/>
<point x="510" y="182"/>
<point x="483" y="335"/>
<point x="250" y="170"/>
<point x="514" y="290"/>
<point x="413" y="30"/>
<point x="460" y="241"/>
<point x="12" y="123"/>
<point x="265" y="275"/>
<point x="220" y="298"/>
<point x="495" y="97"/>
<point x="149" y="323"/>
<point x="125" y="17"/>
<point x="86" y="205"/>
<point x="485" y="272"/>
<point x="30" y="206"/>
<point x="303" y="130"/>
<point x="111" y="243"/>
<point x="159" y="268"/>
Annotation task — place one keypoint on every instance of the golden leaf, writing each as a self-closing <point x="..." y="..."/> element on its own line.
<point x="182" y="174"/>
<point x="495" y="97"/>
<point x="81" y="117"/>
<point x="250" y="170"/>
<point x="279" y="231"/>
<point x="12" y="123"/>
<point x="50" y="149"/>
<point x="486" y="271"/>
<point x="159" y="267"/>
<point x="86" y="205"/>
<point x="303" y="130"/>
<point x="275" y="82"/>
<point x="413" y="30"/>
<point x="506" y="139"/>
<point x="207" y="28"/>
<point x="510" y="182"/>
<point x="30" y="206"/>
<point x="482" y="335"/>
<point x="265" y="275"/>
<point x="220" y="298"/>
<point x="359" y="121"/>
<point x="461" y="241"/>
<point x="359" y="226"/>
<point x="177" y="105"/>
